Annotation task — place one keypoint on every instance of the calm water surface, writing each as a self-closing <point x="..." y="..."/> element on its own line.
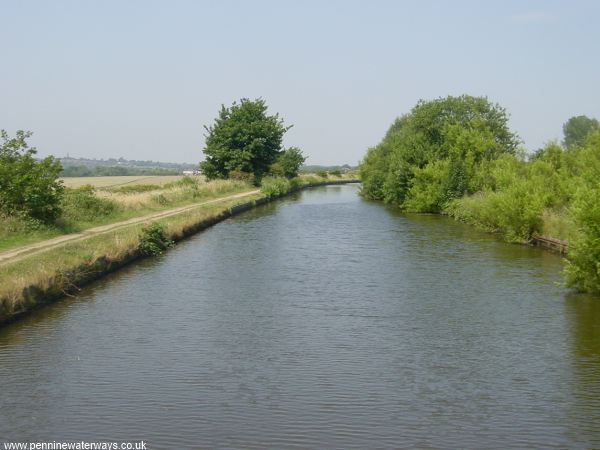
<point x="320" y="321"/>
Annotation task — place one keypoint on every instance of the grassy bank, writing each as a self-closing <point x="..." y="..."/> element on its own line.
<point x="88" y="206"/>
<point x="32" y="281"/>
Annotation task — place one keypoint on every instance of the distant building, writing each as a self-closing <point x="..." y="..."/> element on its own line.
<point x="191" y="172"/>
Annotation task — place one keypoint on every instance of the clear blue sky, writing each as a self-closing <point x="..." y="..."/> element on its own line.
<point x="139" y="79"/>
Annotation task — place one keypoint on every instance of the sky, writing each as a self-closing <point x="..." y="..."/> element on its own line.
<point x="140" y="79"/>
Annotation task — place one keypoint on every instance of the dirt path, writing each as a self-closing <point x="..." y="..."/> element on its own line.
<point x="31" y="249"/>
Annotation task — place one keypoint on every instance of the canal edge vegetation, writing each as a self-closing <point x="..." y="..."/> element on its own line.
<point x="242" y="146"/>
<point x="243" y="149"/>
<point x="457" y="156"/>
<point x="37" y="280"/>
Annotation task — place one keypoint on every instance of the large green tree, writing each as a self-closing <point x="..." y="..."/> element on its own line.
<point x="576" y="129"/>
<point x="28" y="186"/>
<point x="243" y="138"/>
<point x="437" y="152"/>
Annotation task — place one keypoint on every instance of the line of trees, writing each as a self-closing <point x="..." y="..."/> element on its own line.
<point x="457" y="155"/>
<point x="112" y="171"/>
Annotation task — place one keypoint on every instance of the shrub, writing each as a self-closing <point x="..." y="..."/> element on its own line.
<point x="322" y="173"/>
<point x="153" y="240"/>
<point x="82" y="204"/>
<point x="515" y="213"/>
<point x="28" y="186"/>
<point x="427" y="188"/>
<point x="274" y="186"/>
<point x="288" y="163"/>
<point x="583" y="267"/>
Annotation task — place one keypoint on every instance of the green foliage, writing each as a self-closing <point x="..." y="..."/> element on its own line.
<point x="82" y="205"/>
<point x="583" y="268"/>
<point x="244" y="138"/>
<point x="28" y="187"/>
<point x="457" y="156"/>
<point x="153" y="241"/>
<point x="288" y="163"/>
<point x="335" y="173"/>
<point x="448" y="142"/>
<point x="576" y="129"/>
<point x="514" y="213"/>
<point x="322" y="174"/>
<point x="514" y="198"/>
<point x="427" y="188"/>
<point x="275" y="186"/>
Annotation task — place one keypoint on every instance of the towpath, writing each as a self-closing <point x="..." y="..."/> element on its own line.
<point x="38" y="247"/>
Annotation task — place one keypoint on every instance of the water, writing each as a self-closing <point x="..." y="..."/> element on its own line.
<point x="320" y="321"/>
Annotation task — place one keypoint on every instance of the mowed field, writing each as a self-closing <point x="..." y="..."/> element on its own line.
<point x="108" y="182"/>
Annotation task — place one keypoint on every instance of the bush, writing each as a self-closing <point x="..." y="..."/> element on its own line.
<point x="274" y="186"/>
<point x="514" y="213"/>
<point x="153" y="241"/>
<point x="28" y="186"/>
<point x="288" y="163"/>
<point x="583" y="268"/>
<point x="322" y="174"/>
<point x="82" y="205"/>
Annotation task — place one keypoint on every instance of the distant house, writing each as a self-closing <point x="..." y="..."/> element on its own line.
<point x="191" y="172"/>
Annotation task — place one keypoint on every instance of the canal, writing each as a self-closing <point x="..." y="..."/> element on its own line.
<point x="317" y="321"/>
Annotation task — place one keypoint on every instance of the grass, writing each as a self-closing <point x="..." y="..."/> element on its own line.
<point x="106" y="182"/>
<point x="558" y="224"/>
<point x="86" y="208"/>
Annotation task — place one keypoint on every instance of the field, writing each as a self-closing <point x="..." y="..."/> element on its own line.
<point x="109" y="182"/>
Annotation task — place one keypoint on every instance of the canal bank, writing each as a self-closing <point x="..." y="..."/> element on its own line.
<point x="63" y="270"/>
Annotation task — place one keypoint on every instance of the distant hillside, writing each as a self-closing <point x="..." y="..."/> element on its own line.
<point x="83" y="167"/>
<point x="316" y="168"/>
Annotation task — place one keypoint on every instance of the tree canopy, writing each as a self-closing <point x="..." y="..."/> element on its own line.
<point x="243" y="138"/>
<point x="288" y="163"/>
<point x="27" y="186"/>
<point x="437" y="152"/>
<point x="576" y="129"/>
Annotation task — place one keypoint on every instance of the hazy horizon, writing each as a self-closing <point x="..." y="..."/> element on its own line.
<point x="139" y="80"/>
